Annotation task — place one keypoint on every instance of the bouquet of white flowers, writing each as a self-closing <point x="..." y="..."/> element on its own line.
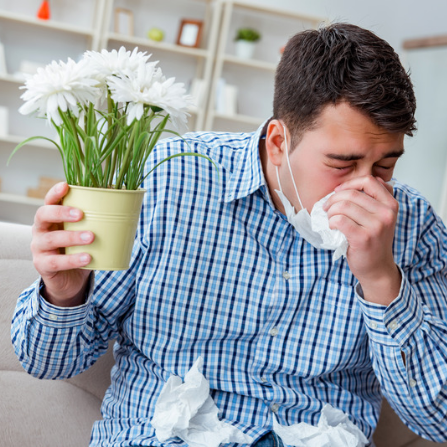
<point x="109" y="110"/>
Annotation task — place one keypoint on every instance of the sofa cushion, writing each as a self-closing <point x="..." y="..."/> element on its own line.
<point x="52" y="413"/>
<point x="16" y="275"/>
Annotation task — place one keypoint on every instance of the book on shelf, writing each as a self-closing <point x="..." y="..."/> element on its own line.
<point x="226" y="98"/>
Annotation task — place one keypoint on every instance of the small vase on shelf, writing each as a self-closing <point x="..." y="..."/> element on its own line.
<point x="246" y="39"/>
<point x="44" y="12"/>
<point x="245" y="49"/>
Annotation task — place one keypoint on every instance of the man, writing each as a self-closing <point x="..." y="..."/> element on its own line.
<point x="219" y="272"/>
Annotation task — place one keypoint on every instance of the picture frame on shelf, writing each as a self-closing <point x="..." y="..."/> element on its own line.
<point x="190" y="32"/>
<point x="124" y="21"/>
<point x="3" y="70"/>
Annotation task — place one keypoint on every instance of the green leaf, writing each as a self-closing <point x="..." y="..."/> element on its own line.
<point x="29" y="140"/>
<point x="194" y="154"/>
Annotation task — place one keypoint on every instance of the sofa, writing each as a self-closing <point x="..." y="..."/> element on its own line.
<point x="60" y="413"/>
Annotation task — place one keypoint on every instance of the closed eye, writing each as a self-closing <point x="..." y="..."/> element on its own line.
<point x="341" y="168"/>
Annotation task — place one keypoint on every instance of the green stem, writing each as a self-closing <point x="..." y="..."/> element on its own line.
<point x="81" y="158"/>
<point x="124" y="161"/>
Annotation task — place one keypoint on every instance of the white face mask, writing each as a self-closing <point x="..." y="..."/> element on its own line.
<point x="314" y="227"/>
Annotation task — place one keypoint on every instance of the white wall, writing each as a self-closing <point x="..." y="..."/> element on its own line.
<point x="393" y="20"/>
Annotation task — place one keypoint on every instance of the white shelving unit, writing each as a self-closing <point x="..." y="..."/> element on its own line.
<point x="253" y="78"/>
<point x="195" y="63"/>
<point x="74" y="27"/>
<point x="83" y="25"/>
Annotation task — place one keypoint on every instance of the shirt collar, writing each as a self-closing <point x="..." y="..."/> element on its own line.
<point x="248" y="175"/>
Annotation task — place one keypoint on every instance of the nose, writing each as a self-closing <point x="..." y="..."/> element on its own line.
<point x="364" y="171"/>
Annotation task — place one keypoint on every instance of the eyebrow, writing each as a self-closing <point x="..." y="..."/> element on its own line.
<point x="352" y="157"/>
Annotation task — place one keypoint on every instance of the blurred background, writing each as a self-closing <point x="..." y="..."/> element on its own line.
<point x="226" y="53"/>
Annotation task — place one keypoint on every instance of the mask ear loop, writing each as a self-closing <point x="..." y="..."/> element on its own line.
<point x="290" y="168"/>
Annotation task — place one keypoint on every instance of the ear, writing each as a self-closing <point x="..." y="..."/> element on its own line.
<point x="275" y="143"/>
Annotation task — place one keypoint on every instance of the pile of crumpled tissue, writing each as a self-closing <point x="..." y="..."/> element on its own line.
<point x="187" y="411"/>
<point x="334" y="429"/>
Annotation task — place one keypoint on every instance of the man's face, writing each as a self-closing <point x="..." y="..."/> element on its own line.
<point x="345" y="144"/>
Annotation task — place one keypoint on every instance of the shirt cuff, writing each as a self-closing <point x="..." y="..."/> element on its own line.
<point x="50" y="315"/>
<point x="395" y="324"/>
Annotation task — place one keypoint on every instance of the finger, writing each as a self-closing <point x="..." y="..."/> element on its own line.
<point x="351" y="229"/>
<point x="56" y="193"/>
<point x="370" y="185"/>
<point x="54" y="240"/>
<point x="362" y="209"/>
<point x="48" y="215"/>
<point x="352" y="195"/>
<point x="388" y="185"/>
<point x="50" y="264"/>
<point x="359" y="198"/>
<point x="348" y="208"/>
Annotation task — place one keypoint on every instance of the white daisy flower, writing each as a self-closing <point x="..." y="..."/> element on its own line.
<point x="108" y="63"/>
<point x="148" y="86"/>
<point x="59" y="85"/>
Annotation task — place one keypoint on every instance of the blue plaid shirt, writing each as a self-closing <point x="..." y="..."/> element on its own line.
<point x="218" y="272"/>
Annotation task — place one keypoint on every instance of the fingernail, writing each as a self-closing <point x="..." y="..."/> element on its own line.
<point x="84" y="259"/>
<point x="59" y="186"/>
<point x="74" y="213"/>
<point x="85" y="236"/>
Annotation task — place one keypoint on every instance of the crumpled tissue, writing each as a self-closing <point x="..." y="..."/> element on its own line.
<point x="334" y="429"/>
<point x="332" y="239"/>
<point x="187" y="411"/>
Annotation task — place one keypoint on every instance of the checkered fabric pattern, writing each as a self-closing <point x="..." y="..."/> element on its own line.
<point x="218" y="272"/>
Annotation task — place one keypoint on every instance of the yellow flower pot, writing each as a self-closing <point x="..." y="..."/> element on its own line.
<point x="112" y="215"/>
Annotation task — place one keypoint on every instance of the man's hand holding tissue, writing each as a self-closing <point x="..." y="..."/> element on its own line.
<point x="365" y="211"/>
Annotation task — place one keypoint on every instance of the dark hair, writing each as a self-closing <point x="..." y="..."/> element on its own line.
<point x="342" y="62"/>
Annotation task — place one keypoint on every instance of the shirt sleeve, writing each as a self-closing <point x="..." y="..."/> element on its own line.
<point x="415" y="325"/>
<point x="54" y="342"/>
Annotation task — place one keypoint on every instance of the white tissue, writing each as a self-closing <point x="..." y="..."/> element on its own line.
<point x="334" y="429"/>
<point x="332" y="239"/>
<point x="187" y="411"/>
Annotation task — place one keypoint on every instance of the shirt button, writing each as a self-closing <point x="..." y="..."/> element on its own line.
<point x="413" y="383"/>
<point x="286" y="275"/>
<point x="393" y="325"/>
<point x="274" y="408"/>
<point x="53" y="317"/>
<point x="263" y="379"/>
<point x="274" y="331"/>
<point x="373" y="325"/>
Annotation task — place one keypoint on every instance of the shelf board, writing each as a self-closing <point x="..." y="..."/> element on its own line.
<point x="252" y="63"/>
<point x="240" y="118"/>
<point x="12" y="79"/>
<point x="194" y="110"/>
<point x="50" y="24"/>
<point x="274" y="11"/>
<point x="21" y="200"/>
<point x="15" y="139"/>
<point x="165" y="46"/>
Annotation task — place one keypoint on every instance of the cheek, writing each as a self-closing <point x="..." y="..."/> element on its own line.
<point x="320" y="183"/>
<point x="386" y="177"/>
<point x="329" y="179"/>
